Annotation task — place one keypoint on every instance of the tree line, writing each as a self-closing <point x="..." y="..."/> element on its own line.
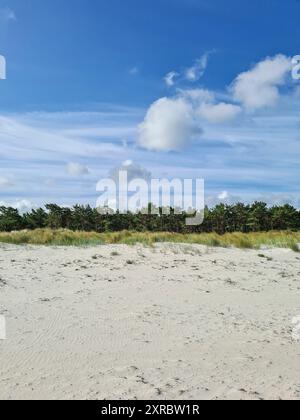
<point x="222" y="218"/>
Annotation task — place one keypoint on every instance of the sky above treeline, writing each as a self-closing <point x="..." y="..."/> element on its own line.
<point x="175" y="88"/>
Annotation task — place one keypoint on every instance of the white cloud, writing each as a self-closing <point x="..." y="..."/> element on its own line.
<point x="198" y="95"/>
<point x="224" y="195"/>
<point x="259" y="87"/>
<point x="36" y="147"/>
<point x="169" y="125"/>
<point x="209" y="109"/>
<point x="76" y="169"/>
<point x="191" y="74"/>
<point x="64" y="136"/>
<point x="170" y="78"/>
<point x="262" y="149"/>
<point x="173" y="123"/>
<point x="218" y="113"/>
<point x="194" y="73"/>
<point x="127" y="163"/>
<point x="23" y="206"/>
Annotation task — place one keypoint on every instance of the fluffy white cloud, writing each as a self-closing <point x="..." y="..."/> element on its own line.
<point x="76" y="169"/>
<point x="173" y="123"/>
<point x="169" y="125"/>
<point x="218" y="113"/>
<point x="170" y="78"/>
<point x="259" y="87"/>
<point x="194" y="73"/>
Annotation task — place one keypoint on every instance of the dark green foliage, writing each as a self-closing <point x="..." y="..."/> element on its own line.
<point x="35" y="219"/>
<point x="285" y="217"/>
<point x="10" y="219"/>
<point x="221" y="219"/>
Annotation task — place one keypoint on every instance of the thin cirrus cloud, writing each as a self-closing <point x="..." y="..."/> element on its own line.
<point x="256" y="154"/>
<point x="169" y="124"/>
<point x="36" y="146"/>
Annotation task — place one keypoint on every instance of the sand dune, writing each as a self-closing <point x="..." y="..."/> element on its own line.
<point x="173" y="322"/>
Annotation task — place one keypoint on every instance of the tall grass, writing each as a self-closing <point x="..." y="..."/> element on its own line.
<point x="61" y="237"/>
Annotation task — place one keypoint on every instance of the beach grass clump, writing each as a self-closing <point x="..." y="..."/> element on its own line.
<point x="294" y="246"/>
<point x="63" y="237"/>
<point x="60" y="237"/>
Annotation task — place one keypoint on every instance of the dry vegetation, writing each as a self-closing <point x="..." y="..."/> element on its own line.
<point x="62" y="237"/>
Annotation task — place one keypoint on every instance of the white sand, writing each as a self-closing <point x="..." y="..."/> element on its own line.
<point x="180" y="322"/>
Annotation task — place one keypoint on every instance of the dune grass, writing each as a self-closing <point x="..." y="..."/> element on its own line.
<point x="61" y="237"/>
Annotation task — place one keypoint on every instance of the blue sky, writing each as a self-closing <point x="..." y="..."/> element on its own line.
<point x="91" y="84"/>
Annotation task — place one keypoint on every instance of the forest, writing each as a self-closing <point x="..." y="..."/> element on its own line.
<point x="221" y="219"/>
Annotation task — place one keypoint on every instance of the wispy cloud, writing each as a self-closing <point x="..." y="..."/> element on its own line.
<point x="170" y="78"/>
<point x="194" y="73"/>
<point x="7" y="14"/>
<point x="134" y="71"/>
<point x="191" y="74"/>
<point x="61" y="155"/>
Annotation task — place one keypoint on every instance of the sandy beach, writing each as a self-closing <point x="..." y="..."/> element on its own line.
<point x="169" y="322"/>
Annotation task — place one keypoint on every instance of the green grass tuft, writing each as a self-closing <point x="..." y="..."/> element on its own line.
<point x="294" y="246"/>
